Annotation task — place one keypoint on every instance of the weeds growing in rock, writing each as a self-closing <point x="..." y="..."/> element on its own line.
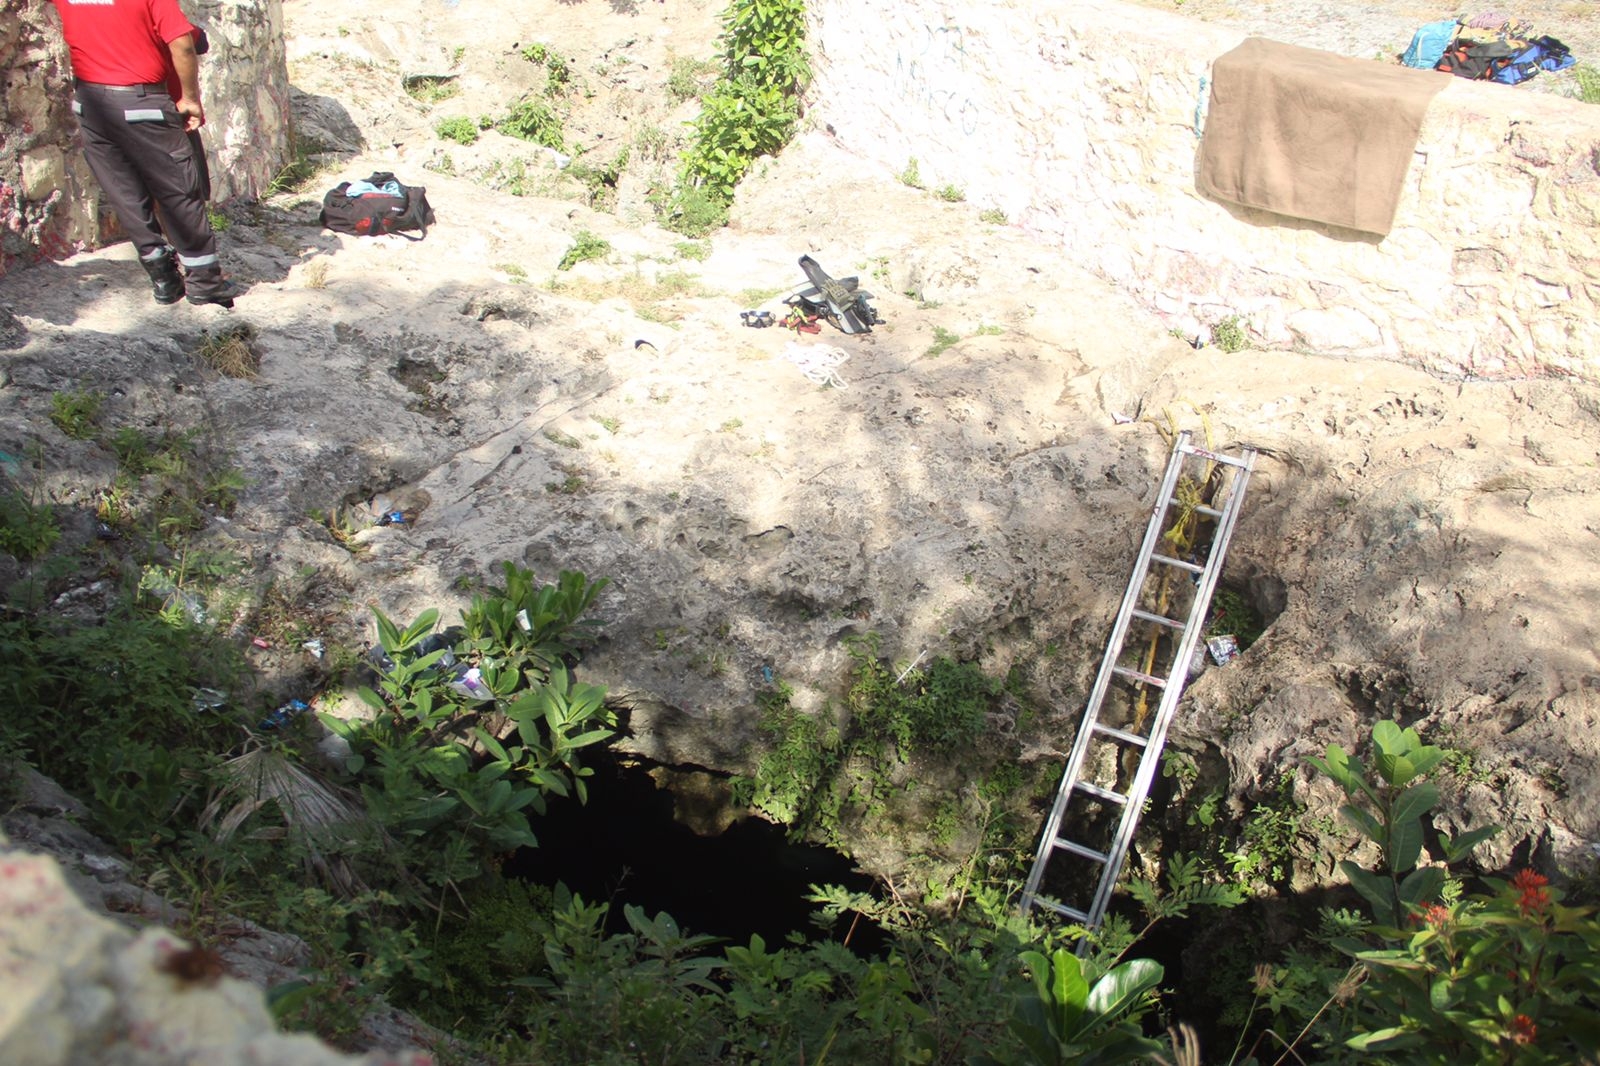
<point x="1230" y="335"/>
<point x="994" y="216"/>
<point x="76" y="413"/>
<point x="585" y="246"/>
<point x="943" y="341"/>
<point x="950" y="194"/>
<point x="429" y="88"/>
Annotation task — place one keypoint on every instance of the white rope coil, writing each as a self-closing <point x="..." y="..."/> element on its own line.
<point x="819" y="363"/>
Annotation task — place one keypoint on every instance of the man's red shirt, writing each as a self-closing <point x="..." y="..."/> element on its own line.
<point x="123" y="42"/>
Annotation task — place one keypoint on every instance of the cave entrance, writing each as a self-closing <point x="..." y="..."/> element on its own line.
<point x="625" y="846"/>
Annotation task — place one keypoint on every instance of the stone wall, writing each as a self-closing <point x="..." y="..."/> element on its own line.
<point x="1080" y="121"/>
<point x="49" y="202"/>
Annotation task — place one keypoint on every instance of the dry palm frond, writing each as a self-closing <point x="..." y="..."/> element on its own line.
<point x="315" y="814"/>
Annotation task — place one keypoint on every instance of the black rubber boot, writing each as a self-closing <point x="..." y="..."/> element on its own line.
<point x="222" y="293"/>
<point x="165" y="283"/>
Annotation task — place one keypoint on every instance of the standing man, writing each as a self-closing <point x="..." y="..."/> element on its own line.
<point x="137" y="74"/>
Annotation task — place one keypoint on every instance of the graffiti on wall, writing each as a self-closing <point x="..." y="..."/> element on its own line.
<point x="930" y="76"/>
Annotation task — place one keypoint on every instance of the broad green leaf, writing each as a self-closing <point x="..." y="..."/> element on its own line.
<point x="1378" y="1036"/>
<point x="1119" y="991"/>
<point x="1364" y="820"/>
<point x="1387" y="736"/>
<point x="1459" y="847"/>
<point x="1374" y="889"/>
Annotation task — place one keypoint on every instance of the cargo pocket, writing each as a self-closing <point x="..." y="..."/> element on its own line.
<point x="189" y="163"/>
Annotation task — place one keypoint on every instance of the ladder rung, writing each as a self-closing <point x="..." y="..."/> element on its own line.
<point x="1100" y="793"/>
<point x="1210" y="512"/>
<point x="1157" y="619"/>
<point x="1121" y="734"/>
<point x="1193" y="568"/>
<point x="1063" y="910"/>
<point x="1226" y="460"/>
<point x="1147" y="679"/>
<point x="1081" y="849"/>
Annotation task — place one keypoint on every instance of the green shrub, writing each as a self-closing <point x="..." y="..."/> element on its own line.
<point x="994" y="216"/>
<point x="533" y="119"/>
<point x="950" y="194"/>
<point x="750" y="112"/>
<point x="459" y="128"/>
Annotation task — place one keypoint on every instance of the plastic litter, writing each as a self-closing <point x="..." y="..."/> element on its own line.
<point x="1223" y="649"/>
<point x="284" y="714"/>
<point x="315" y="647"/>
<point x="392" y="518"/>
<point x="468" y="682"/>
<point x="522" y="621"/>
<point x="209" y="699"/>
<point x="260" y="642"/>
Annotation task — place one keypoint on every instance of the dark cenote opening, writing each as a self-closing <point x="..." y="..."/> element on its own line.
<point x="623" y="846"/>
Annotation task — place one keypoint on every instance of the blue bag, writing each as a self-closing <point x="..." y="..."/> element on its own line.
<point x="1428" y="44"/>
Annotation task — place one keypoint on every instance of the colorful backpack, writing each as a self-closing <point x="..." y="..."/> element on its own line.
<point x="1429" y="43"/>
<point x="1544" y="53"/>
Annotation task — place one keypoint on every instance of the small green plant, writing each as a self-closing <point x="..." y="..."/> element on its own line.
<point x="698" y="210"/>
<point x="533" y="119"/>
<point x="513" y="271"/>
<point x="912" y="175"/>
<point x="1587" y="78"/>
<point x="698" y="251"/>
<point x="571" y="483"/>
<point x="651" y="142"/>
<point x="457" y="54"/>
<point x="989" y="330"/>
<point x="1233" y="615"/>
<point x="1230" y="335"/>
<point x="730" y="425"/>
<point x="585" y="246"/>
<point x="457" y="128"/>
<point x="218" y="219"/>
<point x="558" y="72"/>
<point x="686" y="78"/>
<point x="950" y="194"/>
<point x="993" y="216"/>
<point x="610" y="425"/>
<point x="75" y="413"/>
<point x="943" y="340"/>
<point x="28" y="526"/>
<point x="562" y="440"/>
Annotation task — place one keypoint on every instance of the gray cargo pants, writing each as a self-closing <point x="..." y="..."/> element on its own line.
<point x="143" y="158"/>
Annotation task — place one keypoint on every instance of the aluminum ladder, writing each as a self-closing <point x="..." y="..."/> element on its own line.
<point x="1097" y="806"/>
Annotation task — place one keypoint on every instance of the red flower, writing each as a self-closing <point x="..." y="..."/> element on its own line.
<point x="1523" y="1031"/>
<point x="1533" y="899"/>
<point x="1436" y="916"/>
